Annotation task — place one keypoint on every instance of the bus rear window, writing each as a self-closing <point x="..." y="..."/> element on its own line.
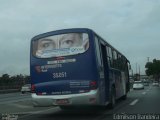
<point x="61" y="45"/>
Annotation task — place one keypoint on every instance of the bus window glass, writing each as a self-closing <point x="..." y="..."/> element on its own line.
<point x="119" y="61"/>
<point x="61" y="45"/>
<point x="114" y="55"/>
<point x="110" y="52"/>
<point x="115" y="64"/>
<point x="98" y="51"/>
<point x="107" y="51"/>
<point x="110" y="56"/>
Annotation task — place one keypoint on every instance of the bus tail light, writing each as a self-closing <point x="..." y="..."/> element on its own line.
<point x="39" y="93"/>
<point x="33" y="87"/>
<point x="93" y="85"/>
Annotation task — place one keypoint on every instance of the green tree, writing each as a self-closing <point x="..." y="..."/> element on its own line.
<point x="5" y="79"/>
<point x="13" y="82"/>
<point x="153" y="68"/>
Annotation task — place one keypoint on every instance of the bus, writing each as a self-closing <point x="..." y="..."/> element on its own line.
<point x="72" y="67"/>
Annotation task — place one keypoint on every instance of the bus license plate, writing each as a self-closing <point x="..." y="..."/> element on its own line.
<point x="62" y="101"/>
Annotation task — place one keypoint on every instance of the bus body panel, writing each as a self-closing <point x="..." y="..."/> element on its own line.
<point x="73" y="76"/>
<point x="88" y="98"/>
<point x="79" y="78"/>
<point x="70" y="75"/>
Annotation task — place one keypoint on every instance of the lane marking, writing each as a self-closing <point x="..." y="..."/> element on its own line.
<point x="134" y="102"/>
<point x="21" y="106"/>
<point x="144" y="93"/>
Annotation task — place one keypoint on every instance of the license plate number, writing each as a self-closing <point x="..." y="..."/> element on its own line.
<point x="62" y="101"/>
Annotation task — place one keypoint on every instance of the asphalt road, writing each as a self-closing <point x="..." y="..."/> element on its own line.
<point x="138" y="104"/>
<point x="13" y="97"/>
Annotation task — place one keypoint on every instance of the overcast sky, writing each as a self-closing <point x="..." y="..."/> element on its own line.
<point x="131" y="26"/>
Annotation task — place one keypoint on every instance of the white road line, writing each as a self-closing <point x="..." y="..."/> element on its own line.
<point x="144" y="93"/>
<point x="21" y="106"/>
<point x="134" y="102"/>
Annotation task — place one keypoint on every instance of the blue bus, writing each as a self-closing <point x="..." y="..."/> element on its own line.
<point x="76" y="67"/>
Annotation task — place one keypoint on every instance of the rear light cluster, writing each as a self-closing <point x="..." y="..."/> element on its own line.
<point x="33" y="87"/>
<point x="41" y="93"/>
<point x="93" y="85"/>
<point x="33" y="90"/>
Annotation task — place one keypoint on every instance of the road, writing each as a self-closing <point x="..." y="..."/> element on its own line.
<point x="138" y="103"/>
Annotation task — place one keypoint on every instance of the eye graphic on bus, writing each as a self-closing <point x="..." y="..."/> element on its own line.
<point x="46" y="44"/>
<point x="61" y="45"/>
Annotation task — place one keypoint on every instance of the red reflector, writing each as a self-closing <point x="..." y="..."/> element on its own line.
<point x="93" y="85"/>
<point x="33" y="87"/>
<point x="39" y="93"/>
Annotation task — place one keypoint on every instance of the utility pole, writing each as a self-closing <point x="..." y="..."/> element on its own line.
<point x="136" y="68"/>
<point x="147" y="59"/>
<point x="139" y="72"/>
<point x="136" y="73"/>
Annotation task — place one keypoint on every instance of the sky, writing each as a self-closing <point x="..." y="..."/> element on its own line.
<point x="131" y="26"/>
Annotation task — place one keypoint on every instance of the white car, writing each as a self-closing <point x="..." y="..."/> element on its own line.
<point x="155" y="83"/>
<point x="26" y="88"/>
<point x="138" y="85"/>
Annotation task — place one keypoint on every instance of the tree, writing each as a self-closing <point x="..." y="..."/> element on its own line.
<point x="153" y="68"/>
<point x="5" y="79"/>
<point x="13" y="82"/>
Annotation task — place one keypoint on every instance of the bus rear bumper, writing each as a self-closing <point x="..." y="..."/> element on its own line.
<point x="89" y="98"/>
